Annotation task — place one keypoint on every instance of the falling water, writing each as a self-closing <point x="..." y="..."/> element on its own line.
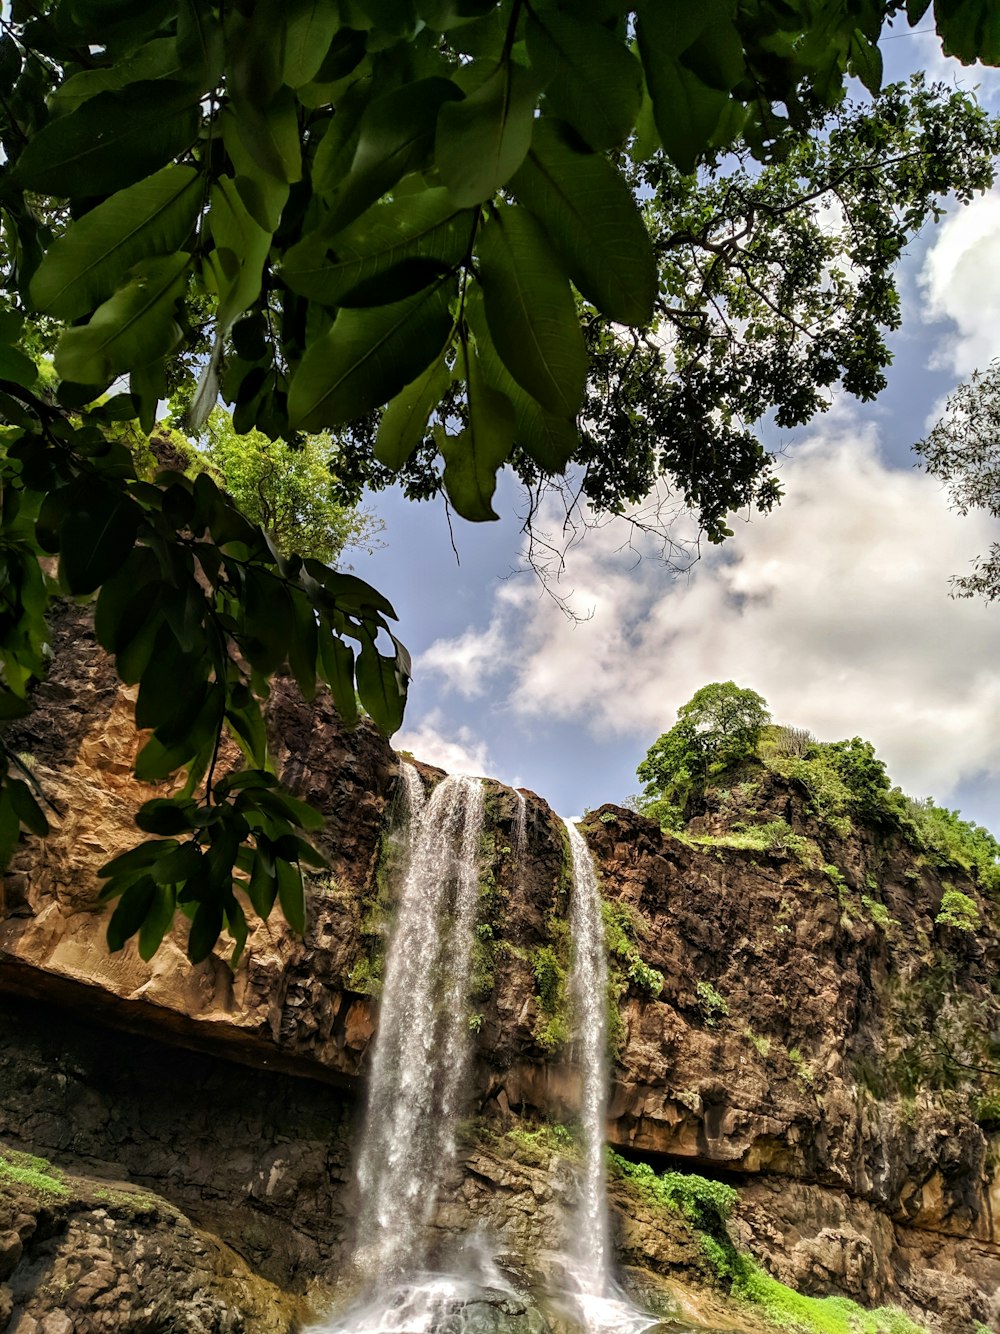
<point x="602" y="1307"/>
<point x="421" y="1056"/>
<point x="520" y="830"/>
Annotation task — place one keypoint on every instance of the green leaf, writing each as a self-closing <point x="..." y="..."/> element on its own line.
<point x="310" y="27"/>
<point x="26" y="807"/>
<point x="368" y="357"/>
<point x="159" y="916"/>
<point x="271" y="136"/>
<point x="592" y="220"/>
<point x="263" y="195"/>
<point x="262" y="888"/>
<point x="530" y="310"/>
<point x="110" y="141"/>
<point x="481" y="141"/>
<point x="134" y="327"/>
<point x="404" y="422"/>
<point x="164" y="815"/>
<point x="690" y="105"/>
<point x="548" y="440"/>
<point x="424" y="227"/>
<point x="969" y="29"/>
<point x="235" y="263"/>
<point x="336" y="661"/>
<point x="866" y="62"/>
<point x="97" y="533"/>
<point x="16" y="367"/>
<point x="85" y="265"/>
<point x="205" y="929"/>
<point x="395" y="137"/>
<point x="381" y="687"/>
<point x="595" y="82"/>
<point x="472" y="459"/>
<point x="291" y="895"/>
<point x="137" y="860"/>
<point x="130" y="912"/>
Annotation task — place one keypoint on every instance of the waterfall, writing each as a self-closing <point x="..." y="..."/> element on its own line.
<point x="419" y="1069"/>
<point x="588" y="987"/>
<point x="601" y="1306"/>
<point x="520" y="830"/>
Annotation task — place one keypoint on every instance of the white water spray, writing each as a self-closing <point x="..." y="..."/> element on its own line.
<point x="420" y="1063"/>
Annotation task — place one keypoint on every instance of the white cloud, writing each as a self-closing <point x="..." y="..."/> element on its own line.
<point x="961" y="282"/>
<point x="835" y="608"/>
<point x="457" y="750"/>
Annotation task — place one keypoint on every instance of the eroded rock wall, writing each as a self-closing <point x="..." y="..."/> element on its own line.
<point x="823" y="1053"/>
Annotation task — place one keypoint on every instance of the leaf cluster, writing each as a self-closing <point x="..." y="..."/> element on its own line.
<point x="353" y="204"/>
<point x="199" y="610"/>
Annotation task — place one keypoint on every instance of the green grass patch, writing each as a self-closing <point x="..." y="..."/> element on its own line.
<point x="27" y="1170"/>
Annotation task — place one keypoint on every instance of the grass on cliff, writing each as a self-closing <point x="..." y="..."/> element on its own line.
<point x="707" y="1206"/>
<point x="25" y="1169"/>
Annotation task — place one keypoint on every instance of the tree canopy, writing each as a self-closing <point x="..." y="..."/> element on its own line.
<point x="719" y="726"/>
<point x="963" y="450"/>
<point x="428" y="210"/>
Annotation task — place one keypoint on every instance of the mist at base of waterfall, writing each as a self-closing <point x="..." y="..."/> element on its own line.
<point x="467" y="1293"/>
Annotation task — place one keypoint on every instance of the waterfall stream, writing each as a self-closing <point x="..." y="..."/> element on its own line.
<point x="419" y="1066"/>
<point x="602" y="1307"/>
<point x="420" y="1072"/>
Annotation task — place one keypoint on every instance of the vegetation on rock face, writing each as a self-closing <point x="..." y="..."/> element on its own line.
<point x="337" y="208"/>
<point x="707" y="1205"/>
<point x="844" y="782"/>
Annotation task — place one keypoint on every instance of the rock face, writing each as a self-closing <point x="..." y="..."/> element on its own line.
<point x="819" y="1039"/>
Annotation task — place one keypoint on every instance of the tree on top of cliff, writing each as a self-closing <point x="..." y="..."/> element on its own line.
<point x="421" y="206"/>
<point x="720" y="725"/>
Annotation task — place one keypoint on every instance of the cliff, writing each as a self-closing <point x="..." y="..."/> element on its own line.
<point x="789" y="1017"/>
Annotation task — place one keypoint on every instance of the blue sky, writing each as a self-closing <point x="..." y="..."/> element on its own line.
<point x="835" y="608"/>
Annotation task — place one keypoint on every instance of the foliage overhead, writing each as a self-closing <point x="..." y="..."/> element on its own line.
<point x="427" y="206"/>
<point x="963" y="450"/>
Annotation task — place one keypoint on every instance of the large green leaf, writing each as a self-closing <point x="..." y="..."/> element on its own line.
<point x="85" y="265"/>
<point x="595" y="82"/>
<point x="425" y="229"/>
<point x="395" y="137"/>
<point x="549" y="440"/>
<point x="381" y="687"/>
<point x="310" y="27"/>
<point x="481" y="141"/>
<point x="111" y="140"/>
<point x="404" y="422"/>
<point x="692" y="57"/>
<point x="271" y="136"/>
<point x="530" y="310"/>
<point x="473" y="458"/>
<point x="158" y="59"/>
<point x="96" y="534"/>
<point x="593" y="221"/>
<point x="236" y="261"/>
<point x="263" y="195"/>
<point x="15" y="366"/>
<point x="969" y="29"/>
<point x="367" y="358"/>
<point x="134" y="327"/>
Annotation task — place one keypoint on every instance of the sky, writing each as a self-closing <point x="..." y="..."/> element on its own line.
<point x="836" y="607"/>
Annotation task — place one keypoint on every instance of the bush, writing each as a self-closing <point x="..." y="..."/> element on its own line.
<point x="952" y="841"/>
<point x="959" y="911"/>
